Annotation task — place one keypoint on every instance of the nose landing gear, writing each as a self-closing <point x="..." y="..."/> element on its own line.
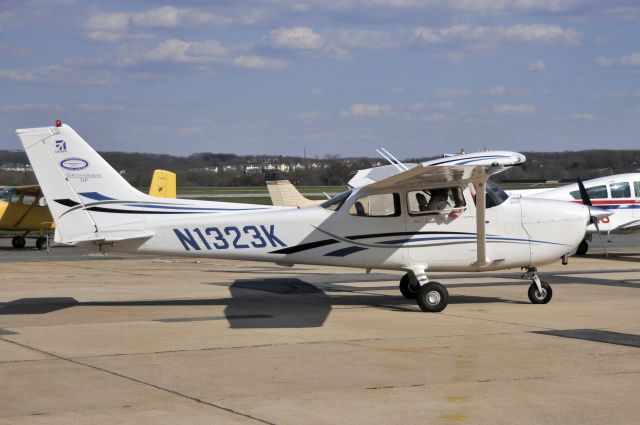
<point x="540" y="292"/>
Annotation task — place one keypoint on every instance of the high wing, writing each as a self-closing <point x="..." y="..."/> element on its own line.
<point x="428" y="175"/>
<point x="500" y="159"/>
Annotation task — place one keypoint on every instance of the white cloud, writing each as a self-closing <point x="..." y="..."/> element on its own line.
<point x="521" y="33"/>
<point x="514" y="108"/>
<point x="259" y="62"/>
<point x="504" y="90"/>
<point x="440" y="104"/>
<point x="302" y="39"/>
<point x="117" y="26"/>
<point x="58" y="74"/>
<point x="537" y="66"/>
<point x="432" y="118"/>
<point x="31" y="107"/>
<point x="359" y="110"/>
<point x="180" y="51"/>
<point x="199" y="55"/>
<point x="631" y="60"/>
<point x="364" y="39"/>
<point x="114" y="36"/>
<point x="479" y="6"/>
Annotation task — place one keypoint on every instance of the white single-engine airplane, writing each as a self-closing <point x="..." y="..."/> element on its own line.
<point x="619" y="193"/>
<point x="424" y="218"/>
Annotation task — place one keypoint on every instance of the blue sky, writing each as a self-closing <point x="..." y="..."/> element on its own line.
<point x="419" y="77"/>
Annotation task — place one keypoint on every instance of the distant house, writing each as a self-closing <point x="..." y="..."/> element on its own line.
<point x="20" y="168"/>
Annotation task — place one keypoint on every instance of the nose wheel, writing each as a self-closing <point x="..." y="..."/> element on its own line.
<point x="539" y="292"/>
<point x="541" y="296"/>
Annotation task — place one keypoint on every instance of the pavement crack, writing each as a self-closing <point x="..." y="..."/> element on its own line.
<point x="139" y="381"/>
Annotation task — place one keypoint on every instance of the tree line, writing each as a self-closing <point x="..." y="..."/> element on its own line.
<point x="199" y="169"/>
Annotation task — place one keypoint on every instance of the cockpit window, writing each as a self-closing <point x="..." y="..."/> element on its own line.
<point x="433" y="201"/>
<point x="620" y="190"/>
<point x="495" y="194"/>
<point x="596" y="192"/>
<point x="336" y="202"/>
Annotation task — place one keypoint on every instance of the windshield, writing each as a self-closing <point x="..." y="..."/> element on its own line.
<point x="495" y="194"/>
<point x="336" y="202"/>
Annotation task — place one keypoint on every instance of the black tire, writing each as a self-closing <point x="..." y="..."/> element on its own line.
<point x="408" y="290"/>
<point x="41" y="242"/>
<point x="540" y="298"/>
<point x="582" y="248"/>
<point x="433" y="297"/>
<point x="18" y="242"/>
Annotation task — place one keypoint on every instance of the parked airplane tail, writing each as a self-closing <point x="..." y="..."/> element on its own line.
<point x="163" y="184"/>
<point x="285" y="194"/>
<point x="78" y="183"/>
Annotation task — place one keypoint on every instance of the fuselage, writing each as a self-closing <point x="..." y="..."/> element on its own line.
<point x="619" y="193"/>
<point x="520" y="233"/>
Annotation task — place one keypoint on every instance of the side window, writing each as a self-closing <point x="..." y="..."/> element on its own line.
<point x="596" y="192"/>
<point x="637" y="187"/>
<point x="28" y="199"/>
<point x="383" y="205"/>
<point x="15" y="197"/>
<point x="620" y="190"/>
<point x="432" y="201"/>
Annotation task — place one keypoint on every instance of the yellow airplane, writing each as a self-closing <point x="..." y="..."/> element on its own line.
<point x="24" y="209"/>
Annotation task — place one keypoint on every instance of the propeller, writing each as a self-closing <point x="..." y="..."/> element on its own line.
<point x="595" y="214"/>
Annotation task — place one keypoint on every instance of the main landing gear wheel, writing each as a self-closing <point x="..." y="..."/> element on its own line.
<point x="18" y="242"/>
<point x="41" y="242"/>
<point x="582" y="248"/>
<point x="433" y="297"/>
<point x="540" y="297"/>
<point x="409" y="290"/>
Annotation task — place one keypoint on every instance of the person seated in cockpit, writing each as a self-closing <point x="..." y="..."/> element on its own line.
<point x="438" y="201"/>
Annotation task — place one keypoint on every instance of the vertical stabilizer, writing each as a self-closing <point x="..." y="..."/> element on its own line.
<point x="79" y="185"/>
<point x="285" y="194"/>
<point x="163" y="184"/>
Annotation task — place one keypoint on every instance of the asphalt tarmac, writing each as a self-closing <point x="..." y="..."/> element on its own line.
<point x="91" y="339"/>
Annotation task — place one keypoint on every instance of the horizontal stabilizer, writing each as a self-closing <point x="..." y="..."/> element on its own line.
<point x="105" y="237"/>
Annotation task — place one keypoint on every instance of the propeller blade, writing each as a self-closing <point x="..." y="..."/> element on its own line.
<point x="594" y="220"/>
<point x="584" y="194"/>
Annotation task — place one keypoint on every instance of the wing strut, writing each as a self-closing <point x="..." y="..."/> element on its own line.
<point x="480" y="179"/>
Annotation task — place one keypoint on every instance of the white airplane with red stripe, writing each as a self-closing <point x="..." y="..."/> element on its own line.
<point x="619" y="193"/>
